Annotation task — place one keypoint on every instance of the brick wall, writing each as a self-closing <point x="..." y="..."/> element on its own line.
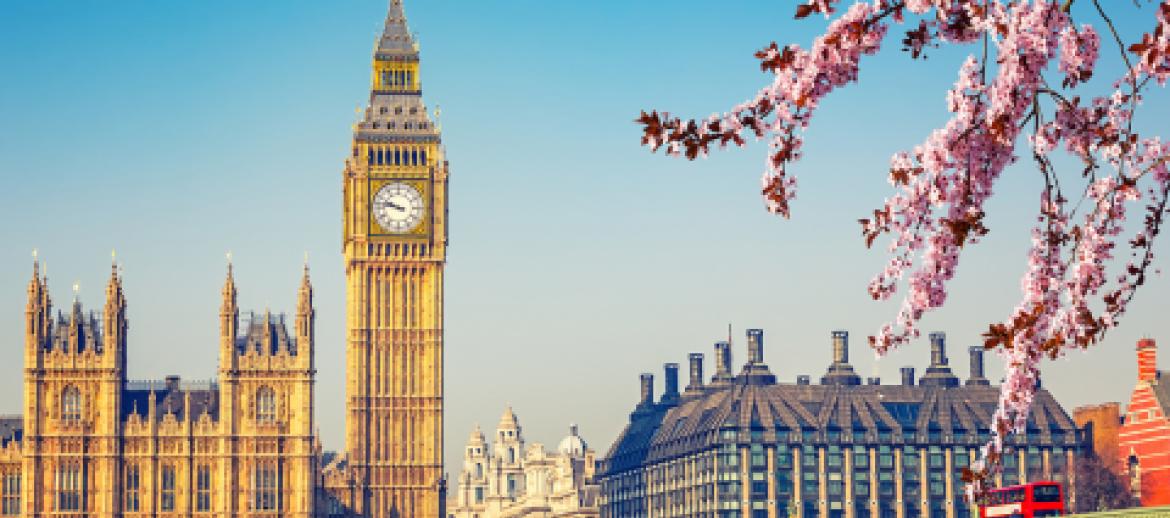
<point x="1106" y="421"/>
<point x="1145" y="434"/>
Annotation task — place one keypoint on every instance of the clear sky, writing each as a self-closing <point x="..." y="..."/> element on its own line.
<point x="176" y="131"/>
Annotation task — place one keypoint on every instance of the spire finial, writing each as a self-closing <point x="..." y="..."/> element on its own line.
<point x="229" y="263"/>
<point x="76" y="290"/>
<point x="36" y="264"/>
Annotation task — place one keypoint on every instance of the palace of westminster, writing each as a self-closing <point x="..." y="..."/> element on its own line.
<point x="91" y="442"/>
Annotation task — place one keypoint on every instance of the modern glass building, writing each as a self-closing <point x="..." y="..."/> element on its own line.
<point x="746" y="446"/>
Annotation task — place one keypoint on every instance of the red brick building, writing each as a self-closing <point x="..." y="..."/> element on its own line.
<point x="1143" y="441"/>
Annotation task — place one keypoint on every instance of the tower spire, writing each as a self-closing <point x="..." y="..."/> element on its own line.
<point x="396" y="39"/>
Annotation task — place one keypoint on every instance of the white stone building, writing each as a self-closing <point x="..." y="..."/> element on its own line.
<point x="506" y="479"/>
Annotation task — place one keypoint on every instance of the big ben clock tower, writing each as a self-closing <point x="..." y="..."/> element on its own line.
<point x="395" y="245"/>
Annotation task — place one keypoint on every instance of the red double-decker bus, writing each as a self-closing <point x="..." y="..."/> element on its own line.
<point x="1033" y="500"/>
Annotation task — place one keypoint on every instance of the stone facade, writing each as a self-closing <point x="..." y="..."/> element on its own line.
<point x="746" y="446"/>
<point x="93" y="443"/>
<point x="507" y="479"/>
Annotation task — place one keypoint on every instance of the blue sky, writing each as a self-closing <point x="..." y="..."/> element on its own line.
<point x="177" y="131"/>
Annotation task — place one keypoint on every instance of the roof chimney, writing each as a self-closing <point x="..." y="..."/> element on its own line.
<point x="647" y="390"/>
<point x="755" y="338"/>
<point x="1147" y="357"/>
<point x="938" y="374"/>
<point x="696" y="383"/>
<point x="908" y="376"/>
<point x="873" y="380"/>
<point x="938" y="349"/>
<point x="977" y="377"/>
<point x="840" y="372"/>
<point x="840" y="346"/>
<point x="756" y="371"/>
<point x="803" y="379"/>
<point x="670" y="392"/>
<point x="722" y="363"/>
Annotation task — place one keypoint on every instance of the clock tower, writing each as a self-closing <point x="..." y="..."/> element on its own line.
<point x="395" y="246"/>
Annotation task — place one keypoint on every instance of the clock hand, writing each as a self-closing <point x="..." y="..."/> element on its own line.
<point x="397" y="206"/>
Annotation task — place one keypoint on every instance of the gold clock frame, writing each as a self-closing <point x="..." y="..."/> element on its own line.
<point x="423" y="230"/>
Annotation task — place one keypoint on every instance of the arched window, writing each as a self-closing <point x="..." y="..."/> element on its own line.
<point x="511" y="455"/>
<point x="71" y="405"/>
<point x="423" y="154"/>
<point x="478" y="470"/>
<point x="266" y="406"/>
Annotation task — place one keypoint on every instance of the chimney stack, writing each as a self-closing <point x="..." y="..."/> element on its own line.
<point x="938" y="374"/>
<point x="803" y="379"/>
<point x="938" y="349"/>
<point x="755" y="338"/>
<point x="647" y="390"/>
<point x="840" y="371"/>
<point x="722" y="362"/>
<point x="1147" y="357"/>
<point x="696" y="383"/>
<point x="840" y="346"/>
<point x="908" y="376"/>
<point x="874" y="380"/>
<point x="977" y="377"/>
<point x="670" y="391"/>
<point x="756" y="372"/>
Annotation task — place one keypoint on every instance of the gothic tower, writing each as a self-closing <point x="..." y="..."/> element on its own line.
<point x="395" y="245"/>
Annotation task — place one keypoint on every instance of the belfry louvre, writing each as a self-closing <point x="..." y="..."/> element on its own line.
<point x="746" y="446"/>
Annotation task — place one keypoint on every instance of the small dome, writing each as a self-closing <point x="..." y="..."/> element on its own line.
<point x="573" y="445"/>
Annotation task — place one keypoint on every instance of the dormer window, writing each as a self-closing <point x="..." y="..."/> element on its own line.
<point x="266" y="406"/>
<point x="71" y="405"/>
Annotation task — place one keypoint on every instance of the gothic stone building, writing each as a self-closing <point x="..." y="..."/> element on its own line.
<point x="394" y="239"/>
<point x="746" y="446"/>
<point x="93" y="443"/>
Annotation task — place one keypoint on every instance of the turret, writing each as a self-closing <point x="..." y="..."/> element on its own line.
<point x="38" y="318"/>
<point x="229" y="323"/>
<point x="306" y="315"/>
<point x="114" y="324"/>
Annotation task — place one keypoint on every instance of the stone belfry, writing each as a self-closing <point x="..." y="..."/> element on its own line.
<point x="395" y="245"/>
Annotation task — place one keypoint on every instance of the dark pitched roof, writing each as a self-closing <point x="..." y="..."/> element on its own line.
<point x="11" y="429"/>
<point x="265" y="333"/>
<point x="823" y="414"/>
<point x="170" y="397"/>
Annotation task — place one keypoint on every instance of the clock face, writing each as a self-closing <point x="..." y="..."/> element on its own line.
<point x="398" y="207"/>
